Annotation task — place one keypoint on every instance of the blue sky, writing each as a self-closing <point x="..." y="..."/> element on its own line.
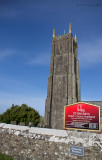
<point x="26" y="28"/>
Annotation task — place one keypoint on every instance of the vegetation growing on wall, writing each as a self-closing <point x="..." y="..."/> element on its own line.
<point x="19" y="114"/>
<point x="5" y="157"/>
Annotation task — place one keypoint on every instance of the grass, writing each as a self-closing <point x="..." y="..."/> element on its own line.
<point x="5" y="157"/>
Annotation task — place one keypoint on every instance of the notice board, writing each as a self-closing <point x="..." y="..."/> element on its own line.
<point x="82" y="116"/>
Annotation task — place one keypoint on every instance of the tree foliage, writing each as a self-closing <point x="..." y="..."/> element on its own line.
<point x="19" y="114"/>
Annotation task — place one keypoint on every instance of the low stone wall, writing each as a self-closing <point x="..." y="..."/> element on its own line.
<point x="24" y="143"/>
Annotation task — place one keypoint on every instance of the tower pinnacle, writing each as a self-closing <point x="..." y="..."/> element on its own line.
<point x="53" y="32"/>
<point x="70" y="28"/>
<point x="75" y="38"/>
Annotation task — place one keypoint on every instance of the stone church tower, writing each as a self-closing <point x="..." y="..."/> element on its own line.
<point x="63" y="81"/>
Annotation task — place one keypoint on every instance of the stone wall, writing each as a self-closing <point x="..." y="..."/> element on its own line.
<point x="24" y="143"/>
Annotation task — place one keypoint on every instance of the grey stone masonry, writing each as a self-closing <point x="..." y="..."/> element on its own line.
<point x="63" y="81"/>
<point x="24" y="143"/>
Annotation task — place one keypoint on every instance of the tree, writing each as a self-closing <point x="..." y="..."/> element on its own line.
<point x="19" y="114"/>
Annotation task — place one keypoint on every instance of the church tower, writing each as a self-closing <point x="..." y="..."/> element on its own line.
<point x="63" y="81"/>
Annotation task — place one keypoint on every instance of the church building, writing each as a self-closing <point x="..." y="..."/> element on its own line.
<point x="63" y="81"/>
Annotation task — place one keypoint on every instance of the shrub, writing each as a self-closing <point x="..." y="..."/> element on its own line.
<point x="19" y="114"/>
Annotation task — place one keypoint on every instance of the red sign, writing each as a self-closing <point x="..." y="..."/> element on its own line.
<point x="82" y="116"/>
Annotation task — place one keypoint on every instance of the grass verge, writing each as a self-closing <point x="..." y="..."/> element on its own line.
<point x="5" y="157"/>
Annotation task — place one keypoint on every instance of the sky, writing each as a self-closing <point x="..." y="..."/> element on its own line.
<point x="26" y="28"/>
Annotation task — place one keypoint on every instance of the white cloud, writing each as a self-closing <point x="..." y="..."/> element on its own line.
<point x="14" y="83"/>
<point x="6" y="53"/>
<point x="7" y="99"/>
<point x="18" y="92"/>
<point x="42" y="59"/>
<point x="90" y="52"/>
